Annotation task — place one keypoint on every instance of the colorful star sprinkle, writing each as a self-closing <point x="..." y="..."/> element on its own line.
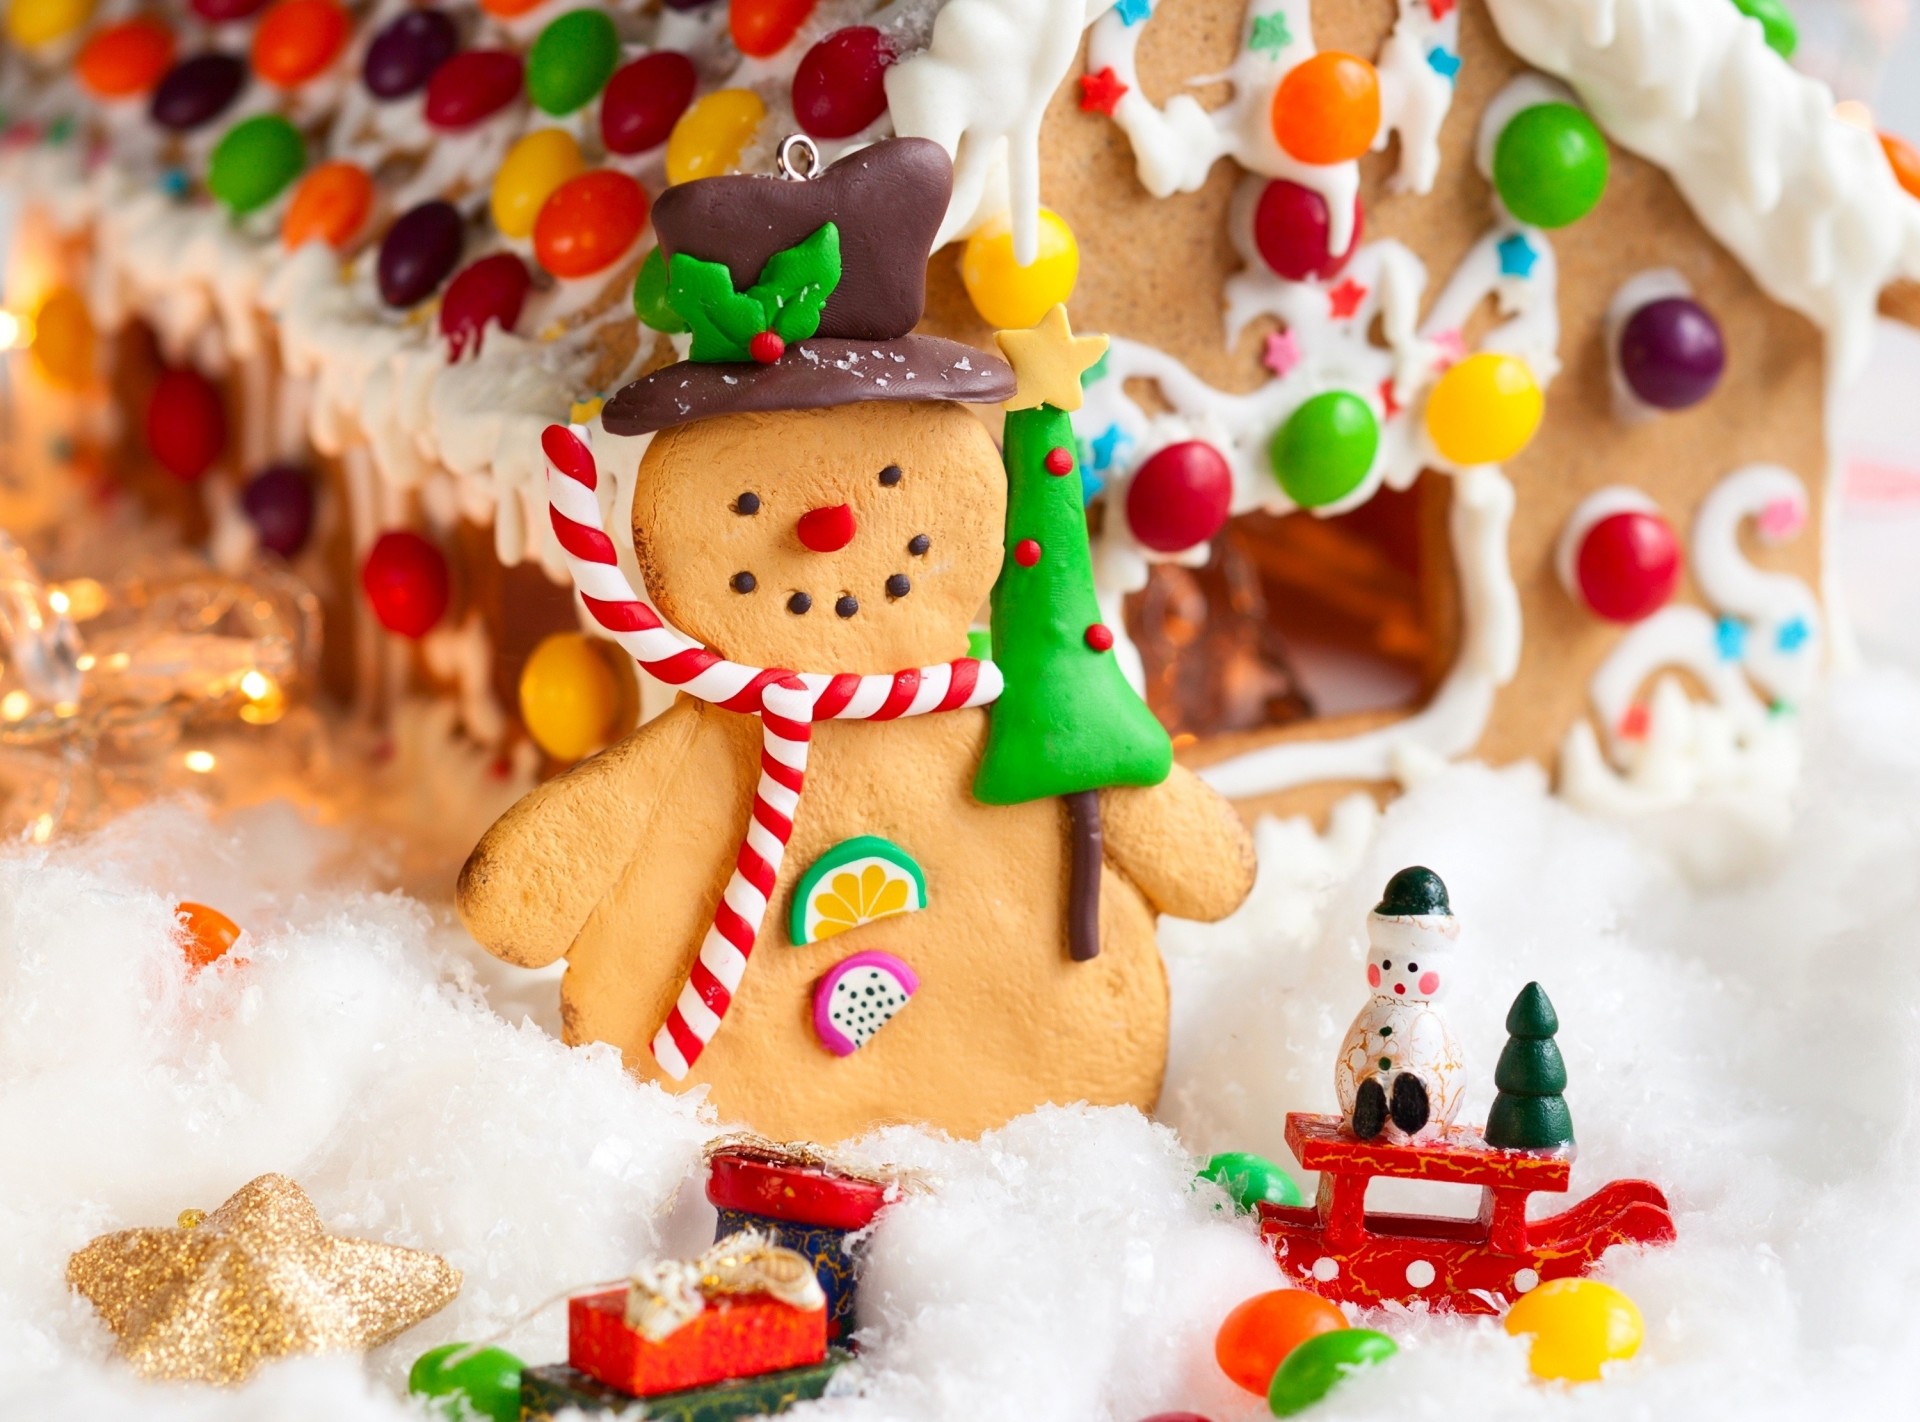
<point x="1440" y="9"/>
<point x="1269" y="34"/>
<point x="1781" y="519"/>
<point x="1132" y="12"/>
<point x="1388" y="404"/>
<point x="1344" y="300"/>
<point x="1517" y="255"/>
<point x="1730" y="639"/>
<point x="1048" y="361"/>
<point x="1450" y="346"/>
<point x="1100" y="91"/>
<point x="1281" y="352"/>
<point x="1107" y="444"/>
<point x="1792" y="634"/>
<point x="1633" y="725"/>
<point x="1444" y="62"/>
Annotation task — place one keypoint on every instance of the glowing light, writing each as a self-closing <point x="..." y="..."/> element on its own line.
<point x="41" y="830"/>
<point x="198" y="761"/>
<point x="266" y="702"/>
<point x="16" y="330"/>
<point x="59" y="601"/>
<point x="79" y="598"/>
<point x="15" y="705"/>
<point x="255" y="685"/>
<point x="84" y="661"/>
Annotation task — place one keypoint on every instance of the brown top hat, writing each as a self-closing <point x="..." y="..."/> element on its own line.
<point x="803" y="293"/>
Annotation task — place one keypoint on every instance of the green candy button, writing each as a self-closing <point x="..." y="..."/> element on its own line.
<point x="571" y="61"/>
<point x="469" y="1382"/>
<point x="1550" y="165"/>
<point x="1324" y="450"/>
<point x="1314" y="1368"/>
<point x="254" y="161"/>
<point x="1250" y="1180"/>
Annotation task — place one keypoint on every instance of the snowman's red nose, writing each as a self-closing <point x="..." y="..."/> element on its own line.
<point x="827" y="530"/>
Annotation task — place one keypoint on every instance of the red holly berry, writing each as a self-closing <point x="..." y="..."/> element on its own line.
<point x="767" y="347"/>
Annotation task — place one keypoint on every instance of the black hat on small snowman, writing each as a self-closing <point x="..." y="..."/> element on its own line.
<point x="1413" y="919"/>
<point x="802" y="292"/>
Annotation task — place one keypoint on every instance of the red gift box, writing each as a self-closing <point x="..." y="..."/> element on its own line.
<point x="763" y="1183"/>
<point x="732" y="1337"/>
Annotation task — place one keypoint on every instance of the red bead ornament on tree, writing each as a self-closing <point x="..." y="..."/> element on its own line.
<point x="1618" y="556"/>
<point x="1059" y="461"/>
<point x="589" y="223"/>
<point x="644" y="100"/>
<point x="1100" y="637"/>
<point x="1292" y="232"/>
<point x="1180" y="497"/>
<point x="1026" y="552"/>
<point x="406" y="582"/>
<point x="487" y="292"/>
<point x="471" y="87"/>
<point x="186" y="423"/>
<point x="840" y="86"/>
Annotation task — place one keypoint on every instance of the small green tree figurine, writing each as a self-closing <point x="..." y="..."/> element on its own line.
<point x="1530" y="1113"/>
<point x="1068" y="723"/>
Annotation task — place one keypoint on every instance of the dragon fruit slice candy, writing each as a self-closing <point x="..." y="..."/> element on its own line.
<point x="859" y="997"/>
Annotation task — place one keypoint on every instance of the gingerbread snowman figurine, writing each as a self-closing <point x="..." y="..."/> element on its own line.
<point x="1400" y="1072"/>
<point x="796" y="888"/>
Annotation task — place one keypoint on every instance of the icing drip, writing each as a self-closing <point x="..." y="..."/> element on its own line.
<point x="1805" y="201"/>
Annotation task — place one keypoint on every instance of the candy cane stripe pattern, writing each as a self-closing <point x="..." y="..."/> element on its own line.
<point x="788" y="703"/>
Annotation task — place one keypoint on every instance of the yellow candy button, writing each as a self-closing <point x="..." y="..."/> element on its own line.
<point x="38" y="22"/>
<point x="569" y="697"/>
<point x="1577" y="1325"/>
<point x="709" y="136"/>
<point x="1485" y="409"/>
<point x="1007" y="295"/>
<point x="528" y="175"/>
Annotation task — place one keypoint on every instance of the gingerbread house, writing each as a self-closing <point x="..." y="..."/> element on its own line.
<point x="1470" y="370"/>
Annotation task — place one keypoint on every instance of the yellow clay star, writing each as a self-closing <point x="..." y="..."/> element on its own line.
<point x="257" y="1278"/>
<point x="1048" y="362"/>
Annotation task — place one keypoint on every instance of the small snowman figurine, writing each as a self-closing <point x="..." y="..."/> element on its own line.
<point x="1400" y="1070"/>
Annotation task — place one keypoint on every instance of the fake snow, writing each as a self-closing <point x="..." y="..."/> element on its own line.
<point x="1750" y="1047"/>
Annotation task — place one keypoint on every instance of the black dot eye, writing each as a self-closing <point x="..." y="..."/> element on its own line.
<point x="890" y="476"/>
<point x="899" y="585"/>
<point x="919" y="544"/>
<point x="848" y="605"/>
<point x="743" y="582"/>
<point x="1386" y="963"/>
<point x="1413" y="967"/>
<point x="799" y="603"/>
<point x="747" y="505"/>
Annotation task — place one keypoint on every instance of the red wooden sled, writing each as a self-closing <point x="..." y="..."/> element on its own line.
<point x="1340" y="1250"/>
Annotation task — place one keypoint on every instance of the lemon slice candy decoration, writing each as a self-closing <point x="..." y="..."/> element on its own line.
<point x="855" y="882"/>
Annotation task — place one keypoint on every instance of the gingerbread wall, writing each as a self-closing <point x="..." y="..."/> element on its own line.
<point x="1152" y="269"/>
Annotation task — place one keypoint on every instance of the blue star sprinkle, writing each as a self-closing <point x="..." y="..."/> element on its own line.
<point x="1132" y="12"/>
<point x="1443" y="62"/>
<point x="1730" y="639"/>
<point x="1108" y="443"/>
<point x="1792" y="634"/>
<point x="1517" y="255"/>
<point x="175" y="182"/>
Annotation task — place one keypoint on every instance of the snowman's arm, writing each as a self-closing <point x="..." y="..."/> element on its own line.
<point x="1181" y="844"/>
<point x="535" y="878"/>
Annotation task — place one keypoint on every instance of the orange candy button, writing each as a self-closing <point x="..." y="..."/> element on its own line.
<point x="1905" y="160"/>
<point x="330" y="205"/>
<point x="121" y="60"/>
<point x="1327" y="109"/>
<point x="206" y="933"/>
<point x="507" y="9"/>
<point x="589" y="223"/>
<point x="1259" y="1334"/>
<point x="764" y="27"/>
<point x="297" y="39"/>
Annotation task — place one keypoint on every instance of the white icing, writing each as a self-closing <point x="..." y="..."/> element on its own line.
<point x="1805" y="201"/>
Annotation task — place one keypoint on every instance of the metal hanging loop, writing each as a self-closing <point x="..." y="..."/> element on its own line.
<point x="796" y="150"/>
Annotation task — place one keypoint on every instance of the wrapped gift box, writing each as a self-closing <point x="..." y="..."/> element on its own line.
<point x="732" y="1337"/>
<point x="803" y="1203"/>
<point x="547" y="1391"/>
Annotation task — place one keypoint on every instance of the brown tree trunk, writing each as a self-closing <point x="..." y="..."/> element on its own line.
<point x="1083" y="880"/>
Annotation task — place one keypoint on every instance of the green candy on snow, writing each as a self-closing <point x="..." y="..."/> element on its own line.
<point x="1318" y="1365"/>
<point x="1250" y="1180"/>
<point x="469" y="1382"/>
<point x="571" y="61"/>
<point x="254" y="161"/>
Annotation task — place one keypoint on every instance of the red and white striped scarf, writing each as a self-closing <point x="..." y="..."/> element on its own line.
<point x="788" y="703"/>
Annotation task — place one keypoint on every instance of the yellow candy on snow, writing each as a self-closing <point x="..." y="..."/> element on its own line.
<point x="709" y="136"/>
<point x="63" y="340"/>
<point x="569" y="696"/>
<point x="1576" y="1325"/>
<point x="532" y="169"/>
<point x="1485" y="409"/>
<point x="1012" y="297"/>
<point x="37" y="22"/>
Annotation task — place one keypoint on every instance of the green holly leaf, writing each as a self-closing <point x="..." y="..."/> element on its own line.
<point x="796" y="282"/>
<point x="722" y="320"/>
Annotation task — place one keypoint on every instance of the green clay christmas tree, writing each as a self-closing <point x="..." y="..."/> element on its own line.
<point x="1530" y="1113"/>
<point x="1068" y="723"/>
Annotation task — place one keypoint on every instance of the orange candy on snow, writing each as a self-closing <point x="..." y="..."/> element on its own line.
<point x="589" y="223"/>
<point x="297" y="39"/>
<point x="1905" y="161"/>
<point x="1327" y="109"/>
<point x="121" y="60"/>
<point x="1258" y="1335"/>
<point x="206" y="933"/>
<point x="330" y="205"/>
<point x="764" y="27"/>
<point x="507" y="9"/>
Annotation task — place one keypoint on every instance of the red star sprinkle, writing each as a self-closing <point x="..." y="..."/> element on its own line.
<point x="1633" y="725"/>
<point x="1345" y="298"/>
<point x="1388" y="403"/>
<point x="1101" y="90"/>
<point x="1440" y="9"/>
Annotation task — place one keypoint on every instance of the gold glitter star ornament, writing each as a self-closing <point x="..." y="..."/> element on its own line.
<point x="1048" y="361"/>
<point x="215" y="1296"/>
